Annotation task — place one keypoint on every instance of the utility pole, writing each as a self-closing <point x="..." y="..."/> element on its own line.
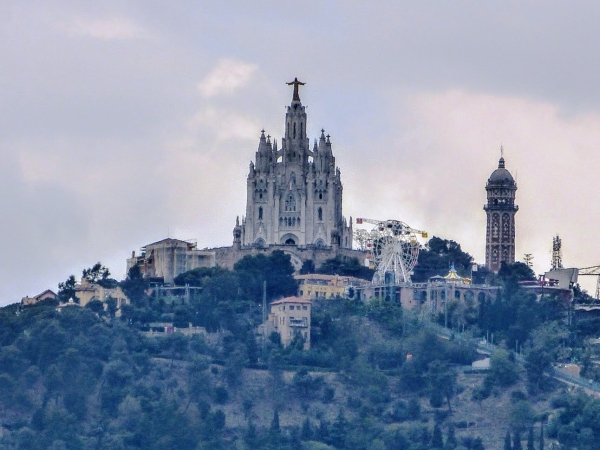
<point x="264" y="318"/>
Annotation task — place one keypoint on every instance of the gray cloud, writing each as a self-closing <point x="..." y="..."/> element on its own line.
<point x="113" y="133"/>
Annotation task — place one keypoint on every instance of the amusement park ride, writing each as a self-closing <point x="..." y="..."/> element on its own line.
<point x="392" y="249"/>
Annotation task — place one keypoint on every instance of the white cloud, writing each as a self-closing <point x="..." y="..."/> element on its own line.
<point x="228" y="76"/>
<point x="224" y="125"/>
<point x="553" y="156"/>
<point x="108" y="29"/>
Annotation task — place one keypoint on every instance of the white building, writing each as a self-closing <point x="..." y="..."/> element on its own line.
<point x="294" y="194"/>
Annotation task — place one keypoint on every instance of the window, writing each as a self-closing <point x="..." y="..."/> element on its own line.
<point x="320" y="214"/>
<point x="294" y="130"/>
<point x="304" y="307"/>
<point x="292" y="307"/>
<point x="260" y="212"/>
<point x="290" y="203"/>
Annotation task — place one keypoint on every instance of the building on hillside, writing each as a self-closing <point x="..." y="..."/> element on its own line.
<point x="165" y="259"/>
<point x="563" y="278"/>
<point x="87" y="291"/>
<point x="294" y="194"/>
<point x="500" y="210"/>
<point x="431" y="297"/>
<point x="289" y="316"/>
<point x="293" y="199"/>
<point x="293" y="204"/>
<point x="162" y="329"/>
<point x="318" y="286"/>
<point x="46" y="295"/>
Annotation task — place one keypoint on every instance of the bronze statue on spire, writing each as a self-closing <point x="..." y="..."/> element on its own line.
<point x="296" y="83"/>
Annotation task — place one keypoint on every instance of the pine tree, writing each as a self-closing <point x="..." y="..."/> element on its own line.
<point x="517" y="441"/>
<point x="251" y="437"/>
<point x="507" y="445"/>
<point x="306" y="434"/>
<point x="451" y="438"/>
<point x="436" y="440"/>
<point x="275" y="423"/>
<point x="530" y="439"/>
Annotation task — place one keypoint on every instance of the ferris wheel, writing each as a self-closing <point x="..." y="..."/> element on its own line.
<point x="392" y="249"/>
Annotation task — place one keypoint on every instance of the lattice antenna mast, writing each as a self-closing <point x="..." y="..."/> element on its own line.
<point x="556" y="253"/>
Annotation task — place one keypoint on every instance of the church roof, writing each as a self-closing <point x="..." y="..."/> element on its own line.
<point x="501" y="175"/>
<point x="290" y="300"/>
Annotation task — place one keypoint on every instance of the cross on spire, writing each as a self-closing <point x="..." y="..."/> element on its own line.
<point x="296" y="83"/>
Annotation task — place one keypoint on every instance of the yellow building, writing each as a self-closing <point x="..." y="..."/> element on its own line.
<point x="87" y="291"/>
<point x="318" y="286"/>
<point x="289" y="316"/>
<point x="47" y="294"/>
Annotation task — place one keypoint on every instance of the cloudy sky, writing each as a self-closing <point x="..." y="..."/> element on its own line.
<point x="124" y="122"/>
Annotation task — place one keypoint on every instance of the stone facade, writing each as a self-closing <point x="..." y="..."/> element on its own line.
<point x="169" y="257"/>
<point x="294" y="194"/>
<point x="319" y="286"/>
<point x="47" y="294"/>
<point x="289" y="316"/>
<point x="500" y="210"/>
<point x="294" y="204"/>
<point x="87" y="291"/>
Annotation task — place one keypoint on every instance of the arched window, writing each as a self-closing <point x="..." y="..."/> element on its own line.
<point x="301" y="130"/>
<point x="320" y="214"/>
<point x="260" y="213"/>
<point x="290" y="203"/>
<point x="294" y="130"/>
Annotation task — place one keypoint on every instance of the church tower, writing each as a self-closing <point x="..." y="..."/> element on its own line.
<point x="294" y="194"/>
<point x="500" y="210"/>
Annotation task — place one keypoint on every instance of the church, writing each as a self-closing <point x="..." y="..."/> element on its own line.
<point x="293" y="204"/>
<point x="294" y="194"/>
<point x="293" y="198"/>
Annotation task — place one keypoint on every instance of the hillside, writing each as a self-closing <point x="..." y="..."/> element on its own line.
<point x="375" y="377"/>
<point x="72" y="379"/>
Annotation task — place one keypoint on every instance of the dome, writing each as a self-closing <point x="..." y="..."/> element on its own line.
<point x="501" y="175"/>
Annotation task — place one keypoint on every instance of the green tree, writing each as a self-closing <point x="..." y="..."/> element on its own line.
<point x="275" y="430"/>
<point x="451" y="438"/>
<point x="348" y="267"/>
<point x="196" y="277"/>
<point x="530" y="439"/>
<point x="521" y="416"/>
<point x="507" y="441"/>
<point x="437" y="259"/>
<point x="437" y="440"/>
<point x="503" y="371"/>
<point x="276" y="269"/>
<point x="96" y="306"/>
<point x="517" y="441"/>
<point x="66" y="290"/>
<point x="98" y="274"/>
<point x="542" y="349"/>
<point x="134" y="286"/>
<point x="306" y="434"/>
<point x="176" y="345"/>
